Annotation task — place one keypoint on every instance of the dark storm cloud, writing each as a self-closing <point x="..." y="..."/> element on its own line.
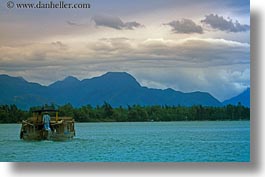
<point x="115" y="22"/>
<point x="186" y="26"/>
<point x="220" y="23"/>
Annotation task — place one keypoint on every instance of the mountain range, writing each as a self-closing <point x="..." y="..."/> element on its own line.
<point x="116" y="88"/>
<point x="243" y="98"/>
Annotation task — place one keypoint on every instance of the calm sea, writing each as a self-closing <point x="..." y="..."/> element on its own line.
<point x="223" y="141"/>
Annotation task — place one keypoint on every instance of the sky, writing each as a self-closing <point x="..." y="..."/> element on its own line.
<point x="186" y="45"/>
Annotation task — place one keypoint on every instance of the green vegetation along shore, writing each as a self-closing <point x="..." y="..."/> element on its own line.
<point x="136" y="113"/>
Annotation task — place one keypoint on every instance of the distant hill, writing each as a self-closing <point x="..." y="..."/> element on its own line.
<point x="16" y="90"/>
<point x="116" y="88"/>
<point x="243" y="98"/>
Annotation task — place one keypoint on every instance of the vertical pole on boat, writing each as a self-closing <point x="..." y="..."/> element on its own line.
<point x="34" y="117"/>
<point x="56" y="116"/>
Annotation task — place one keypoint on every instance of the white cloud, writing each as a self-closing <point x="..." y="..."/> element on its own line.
<point x="218" y="66"/>
<point x="218" y="81"/>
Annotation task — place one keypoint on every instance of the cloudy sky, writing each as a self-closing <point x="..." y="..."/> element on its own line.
<point x="187" y="45"/>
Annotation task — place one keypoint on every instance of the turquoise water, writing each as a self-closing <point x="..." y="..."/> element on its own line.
<point x="223" y="141"/>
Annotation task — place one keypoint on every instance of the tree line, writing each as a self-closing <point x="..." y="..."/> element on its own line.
<point x="135" y="113"/>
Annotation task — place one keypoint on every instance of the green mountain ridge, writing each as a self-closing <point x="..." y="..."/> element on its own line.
<point x="116" y="88"/>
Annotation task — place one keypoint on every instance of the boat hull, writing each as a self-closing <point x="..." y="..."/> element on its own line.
<point x="60" y="130"/>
